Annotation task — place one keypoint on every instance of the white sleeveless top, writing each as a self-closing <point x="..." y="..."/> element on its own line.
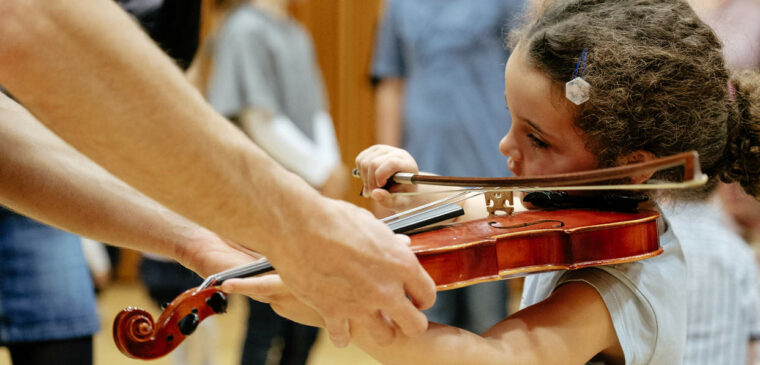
<point x="646" y="300"/>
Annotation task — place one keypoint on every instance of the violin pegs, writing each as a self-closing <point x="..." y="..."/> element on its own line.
<point x="188" y="323"/>
<point x="217" y="302"/>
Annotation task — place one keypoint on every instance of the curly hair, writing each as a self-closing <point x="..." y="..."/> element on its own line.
<point x="659" y="84"/>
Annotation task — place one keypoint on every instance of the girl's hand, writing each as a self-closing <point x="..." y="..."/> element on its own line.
<point x="270" y="289"/>
<point x="377" y="165"/>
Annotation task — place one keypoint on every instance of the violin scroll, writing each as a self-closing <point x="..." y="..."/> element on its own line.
<point x="138" y="336"/>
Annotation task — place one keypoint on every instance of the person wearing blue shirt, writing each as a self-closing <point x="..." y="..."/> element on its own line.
<point x="438" y="68"/>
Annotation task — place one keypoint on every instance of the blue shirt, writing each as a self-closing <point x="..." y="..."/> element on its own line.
<point x="451" y="55"/>
<point x="46" y="291"/>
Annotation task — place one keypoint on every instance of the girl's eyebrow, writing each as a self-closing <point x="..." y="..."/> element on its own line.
<point x="534" y="126"/>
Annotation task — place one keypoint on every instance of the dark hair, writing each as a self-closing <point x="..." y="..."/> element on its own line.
<point x="658" y="83"/>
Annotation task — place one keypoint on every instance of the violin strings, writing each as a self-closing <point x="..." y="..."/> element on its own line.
<point x="237" y="272"/>
<point x="445" y="200"/>
<point x="700" y="180"/>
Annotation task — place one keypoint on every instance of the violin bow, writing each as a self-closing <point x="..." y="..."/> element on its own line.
<point x="472" y="186"/>
<point x="693" y="176"/>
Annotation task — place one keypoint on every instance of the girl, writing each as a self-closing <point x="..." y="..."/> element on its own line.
<point x="656" y="86"/>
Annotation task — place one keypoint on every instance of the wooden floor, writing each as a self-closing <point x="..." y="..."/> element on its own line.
<point x="228" y="332"/>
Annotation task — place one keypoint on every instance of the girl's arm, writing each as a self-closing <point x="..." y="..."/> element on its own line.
<point x="570" y="327"/>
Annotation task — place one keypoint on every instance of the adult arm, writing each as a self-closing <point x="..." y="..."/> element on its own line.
<point x="389" y="70"/>
<point x="388" y="111"/>
<point x="45" y="178"/>
<point x="91" y="76"/>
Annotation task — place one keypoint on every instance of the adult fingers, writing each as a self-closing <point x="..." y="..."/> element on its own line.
<point x="421" y="290"/>
<point x="380" y="328"/>
<point x="339" y="331"/>
<point x="263" y="288"/>
<point x="407" y="317"/>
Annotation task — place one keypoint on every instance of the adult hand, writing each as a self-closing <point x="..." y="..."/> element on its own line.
<point x="206" y="253"/>
<point x="355" y="272"/>
<point x="270" y="289"/>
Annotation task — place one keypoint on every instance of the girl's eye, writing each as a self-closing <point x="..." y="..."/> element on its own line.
<point x="536" y="142"/>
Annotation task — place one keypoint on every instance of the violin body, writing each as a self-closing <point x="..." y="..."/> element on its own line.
<point x="455" y="255"/>
<point x="500" y="247"/>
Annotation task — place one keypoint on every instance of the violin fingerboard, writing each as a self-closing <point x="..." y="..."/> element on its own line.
<point x="426" y="218"/>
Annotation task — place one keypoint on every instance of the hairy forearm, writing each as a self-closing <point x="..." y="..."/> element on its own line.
<point x="48" y="180"/>
<point x="388" y="106"/>
<point x="100" y="84"/>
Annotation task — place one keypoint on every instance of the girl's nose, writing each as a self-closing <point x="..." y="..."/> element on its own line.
<point x="508" y="146"/>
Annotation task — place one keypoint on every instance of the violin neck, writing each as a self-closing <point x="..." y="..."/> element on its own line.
<point x="244" y="271"/>
<point x="425" y="218"/>
<point x="400" y="225"/>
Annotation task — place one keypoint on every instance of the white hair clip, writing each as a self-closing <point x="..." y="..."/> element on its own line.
<point x="578" y="90"/>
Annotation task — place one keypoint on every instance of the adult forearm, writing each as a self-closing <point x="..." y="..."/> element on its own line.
<point x="48" y="180"/>
<point x="88" y="73"/>
<point x="389" y="107"/>
<point x="101" y="85"/>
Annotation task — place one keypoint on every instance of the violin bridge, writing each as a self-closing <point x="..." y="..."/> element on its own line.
<point x="496" y="201"/>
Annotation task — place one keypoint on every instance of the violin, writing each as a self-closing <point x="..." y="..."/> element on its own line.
<point x="503" y="245"/>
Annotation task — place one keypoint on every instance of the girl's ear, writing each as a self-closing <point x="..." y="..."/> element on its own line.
<point x="636" y="157"/>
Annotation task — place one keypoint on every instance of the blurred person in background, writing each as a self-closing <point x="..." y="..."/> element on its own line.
<point x="726" y="269"/>
<point x="266" y="79"/>
<point x="47" y="299"/>
<point x="449" y="124"/>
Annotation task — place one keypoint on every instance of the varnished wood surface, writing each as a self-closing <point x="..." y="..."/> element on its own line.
<point x="472" y="252"/>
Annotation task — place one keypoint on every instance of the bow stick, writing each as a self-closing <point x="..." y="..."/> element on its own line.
<point x="693" y="176"/>
<point x="492" y="187"/>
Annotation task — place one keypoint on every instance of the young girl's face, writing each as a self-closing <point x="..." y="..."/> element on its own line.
<point x="543" y="139"/>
